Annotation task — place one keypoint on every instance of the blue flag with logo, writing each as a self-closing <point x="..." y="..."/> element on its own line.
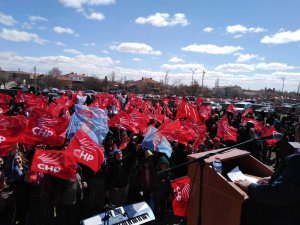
<point x="153" y="140"/>
<point x="90" y="119"/>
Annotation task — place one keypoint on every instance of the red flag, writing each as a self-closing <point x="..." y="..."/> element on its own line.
<point x="61" y="164"/>
<point x="268" y="131"/>
<point x="40" y="131"/>
<point x="31" y="99"/>
<point x="187" y="110"/>
<point x="199" y="101"/>
<point x="87" y="151"/>
<point x="6" y="149"/>
<point x="54" y="109"/>
<point x="177" y="131"/>
<point x="123" y="120"/>
<point x="246" y="112"/>
<point x="12" y="129"/>
<point x="4" y="103"/>
<point x="231" y="108"/>
<point x="181" y="197"/>
<point x="205" y="112"/>
<point x="125" y="141"/>
<point x="258" y="126"/>
<point x="225" y="130"/>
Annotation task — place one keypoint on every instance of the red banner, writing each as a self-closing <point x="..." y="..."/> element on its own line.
<point x="11" y="129"/>
<point x="86" y="150"/>
<point x="181" y="189"/>
<point x="225" y="130"/>
<point x="61" y="164"/>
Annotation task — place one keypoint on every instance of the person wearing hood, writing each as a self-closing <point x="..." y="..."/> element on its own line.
<point x="161" y="189"/>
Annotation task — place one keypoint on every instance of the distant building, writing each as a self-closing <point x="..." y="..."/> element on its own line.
<point x="68" y="80"/>
<point x="20" y="77"/>
<point x="145" y="85"/>
<point x="227" y="91"/>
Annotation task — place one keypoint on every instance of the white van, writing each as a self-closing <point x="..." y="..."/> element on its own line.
<point x="241" y="106"/>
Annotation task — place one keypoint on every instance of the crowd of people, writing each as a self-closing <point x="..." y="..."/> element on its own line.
<point x="127" y="176"/>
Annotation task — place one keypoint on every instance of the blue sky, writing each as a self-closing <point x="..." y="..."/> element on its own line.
<point x="253" y="44"/>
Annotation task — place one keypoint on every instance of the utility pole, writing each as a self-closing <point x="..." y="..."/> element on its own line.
<point x="283" y="79"/>
<point x="298" y="88"/>
<point x="34" y="69"/>
<point x="203" y="73"/>
<point x="193" y="72"/>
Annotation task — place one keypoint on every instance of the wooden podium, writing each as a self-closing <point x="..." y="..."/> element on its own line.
<point x="221" y="200"/>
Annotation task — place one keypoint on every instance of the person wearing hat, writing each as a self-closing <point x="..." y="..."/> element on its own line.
<point x="246" y="133"/>
<point x="146" y="174"/>
<point x="120" y="170"/>
<point x="161" y="189"/>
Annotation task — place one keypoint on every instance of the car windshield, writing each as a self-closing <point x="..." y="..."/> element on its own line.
<point x="240" y="105"/>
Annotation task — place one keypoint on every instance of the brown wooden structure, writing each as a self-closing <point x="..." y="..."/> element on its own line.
<point x="222" y="199"/>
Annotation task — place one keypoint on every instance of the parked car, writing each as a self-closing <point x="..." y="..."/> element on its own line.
<point x="52" y="95"/>
<point x="216" y="106"/>
<point x="265" y="109"/>
<point x="241" y="106"/>
<point x="90" y="92"/>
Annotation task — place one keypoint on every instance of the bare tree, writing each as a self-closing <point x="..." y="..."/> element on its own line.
<point x="167" y="77"/>
<point x="50" y="81"/>
<point x="93" y="83"/>
<point x="112" y="76"/>
<point x="55" y="71"/>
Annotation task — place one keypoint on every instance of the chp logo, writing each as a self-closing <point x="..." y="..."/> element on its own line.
<point x="182" y="194"/>
<point x="50" y="162"/>
<point x="39" y="131"/>
<point x="2" y="139"/>
<point x="85" y="150"/>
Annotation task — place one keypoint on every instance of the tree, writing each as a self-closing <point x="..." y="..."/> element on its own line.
<point x="49" y="81"/>
<point x="112" y="77"/>
<point x="93" y="83"/>
<point x="55" y="71"/>
<point x="4" y="78"/>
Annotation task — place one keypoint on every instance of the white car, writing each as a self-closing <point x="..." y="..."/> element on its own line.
<point x="241" y="106"/>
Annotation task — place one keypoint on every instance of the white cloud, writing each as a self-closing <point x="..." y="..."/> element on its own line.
<point x="163" y="20"/>
<point x="175" y="60"/>
<point x="208" y="29"/>
<point x="242" y="29"/>
<point x="182" y="67"/>
<point x="89" y="44"/>
<point x="21" y="36"/>
<point x="7" y="20"/>
<point x="80" y="3"/>
<point x="274" y="66"/>
<point x="72" y="51"/>
<point x="245" y="57"/>
<point x="294" y="75"/>
<point x="61" y="30"/>
<point x="235" y="68"/>
<point x="105" y="51"/>
<point x="212" y="49"/>
<point x="135" y="48"/>
<point x="238" y="36"/>
<point x="59" y="43"/>
<point x="37" y="18"/>
<point x="282" y="37"/>
<point x="137" y="59"/>
<point x="95" y="16"/>
<point x="79" y="63"/>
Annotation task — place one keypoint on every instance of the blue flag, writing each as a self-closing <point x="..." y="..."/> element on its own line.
<point x="90" y="119"/>
<point x="153" y="140"/>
